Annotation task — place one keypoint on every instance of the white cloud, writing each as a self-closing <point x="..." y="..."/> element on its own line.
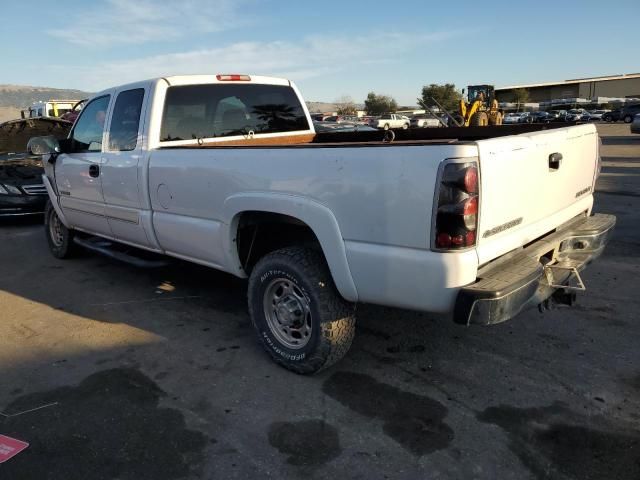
<point x="119" y="22"/>
<point x="311" y="57"/>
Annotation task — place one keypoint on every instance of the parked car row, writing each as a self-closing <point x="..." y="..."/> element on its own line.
<point x="573" y="115"/>
<point x="384" y="122"/>
<point x="625" y="114"/>
<point x="393" y="120"/>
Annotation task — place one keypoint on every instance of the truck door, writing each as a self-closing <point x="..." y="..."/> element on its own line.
<point x="77" y="173"/>
<point x="120" y="169"/>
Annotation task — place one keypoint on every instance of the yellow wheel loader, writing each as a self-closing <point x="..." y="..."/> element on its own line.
<point x="481" y="109"/>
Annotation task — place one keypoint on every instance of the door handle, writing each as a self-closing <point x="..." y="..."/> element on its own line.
<point x="555" y="159"/>
<point x="94" y="171"/>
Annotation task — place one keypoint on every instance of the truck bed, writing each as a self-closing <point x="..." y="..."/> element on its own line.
<point x="418" y="136"/>
<point x="383" y="200"/>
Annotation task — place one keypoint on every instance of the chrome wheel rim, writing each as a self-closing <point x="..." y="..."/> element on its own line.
<point x="288" y="313"/>
<point x="56" y="229"/>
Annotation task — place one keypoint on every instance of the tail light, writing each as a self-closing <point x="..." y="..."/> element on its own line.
<point x="456" y="210"/>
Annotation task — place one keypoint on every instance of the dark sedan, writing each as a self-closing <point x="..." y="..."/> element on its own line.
<point x="21" y="189"/>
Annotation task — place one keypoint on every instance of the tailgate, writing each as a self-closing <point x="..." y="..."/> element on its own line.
<point x="524" y="194"/>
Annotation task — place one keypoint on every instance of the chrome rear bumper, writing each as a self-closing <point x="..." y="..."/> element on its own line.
<point x="533" y="275"/>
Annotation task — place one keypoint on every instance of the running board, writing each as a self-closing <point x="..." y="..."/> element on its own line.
<point x="110" y="249"/>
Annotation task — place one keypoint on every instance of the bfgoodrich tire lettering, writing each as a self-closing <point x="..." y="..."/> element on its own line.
<point x="302" y="272"/>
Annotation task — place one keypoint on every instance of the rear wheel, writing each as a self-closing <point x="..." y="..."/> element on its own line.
<point x="479" y="119"/>
<point x="386" y="126"/>
<point x="59" y="237"/>
<point x="495" y="118"/>
<point x="628" y="118"/>
<point x="300" y="318"/>
<point x="405" y="126"/>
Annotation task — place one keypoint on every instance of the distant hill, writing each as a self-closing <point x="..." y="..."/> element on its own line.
<point x="20" y="96"/>
<point x="13" y="98"/>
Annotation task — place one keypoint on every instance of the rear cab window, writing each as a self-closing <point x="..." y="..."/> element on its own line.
<point x="125" y="120"/>
<point x="194" y="112"/>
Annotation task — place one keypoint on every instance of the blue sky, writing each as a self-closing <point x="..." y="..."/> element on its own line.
<point x="329" y="48"/>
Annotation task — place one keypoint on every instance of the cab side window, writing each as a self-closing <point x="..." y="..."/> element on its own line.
<point x="125" y="121"/>
<point x="87" y="133"/>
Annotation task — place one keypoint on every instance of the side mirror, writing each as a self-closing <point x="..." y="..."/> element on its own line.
<point x="43" y="146"/>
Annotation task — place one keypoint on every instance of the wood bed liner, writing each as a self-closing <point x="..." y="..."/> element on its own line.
<point x="421" y="136"/>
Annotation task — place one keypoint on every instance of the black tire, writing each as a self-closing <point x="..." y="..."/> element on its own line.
<point x="628" y="118"/>
<point x="607" y="118"/>
<point x="479" y="119"/>
<point x="62" y="245"/>
<point x="386" y="126"/>
<point x="405" y="126"/>
<point x="495" y="118"/>
<point x="331" y="318"/>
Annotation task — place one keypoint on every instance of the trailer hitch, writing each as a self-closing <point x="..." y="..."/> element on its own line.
<point x="566" y="291"/>
<point x="574" y="276"/>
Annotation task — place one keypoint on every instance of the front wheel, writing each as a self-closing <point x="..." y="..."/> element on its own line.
<point x="405" y="126"/>
<point x="628" y="118"/>
<point x="59" y="237"/>
<point x="300" y="318"/>
<point x="386" y="126"/>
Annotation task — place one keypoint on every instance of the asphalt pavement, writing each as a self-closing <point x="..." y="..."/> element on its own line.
<point x="114" y="372"/>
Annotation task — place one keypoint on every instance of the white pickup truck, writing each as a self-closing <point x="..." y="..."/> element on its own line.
<point x="390" y="120"/>
<point x="227" y="171"/>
